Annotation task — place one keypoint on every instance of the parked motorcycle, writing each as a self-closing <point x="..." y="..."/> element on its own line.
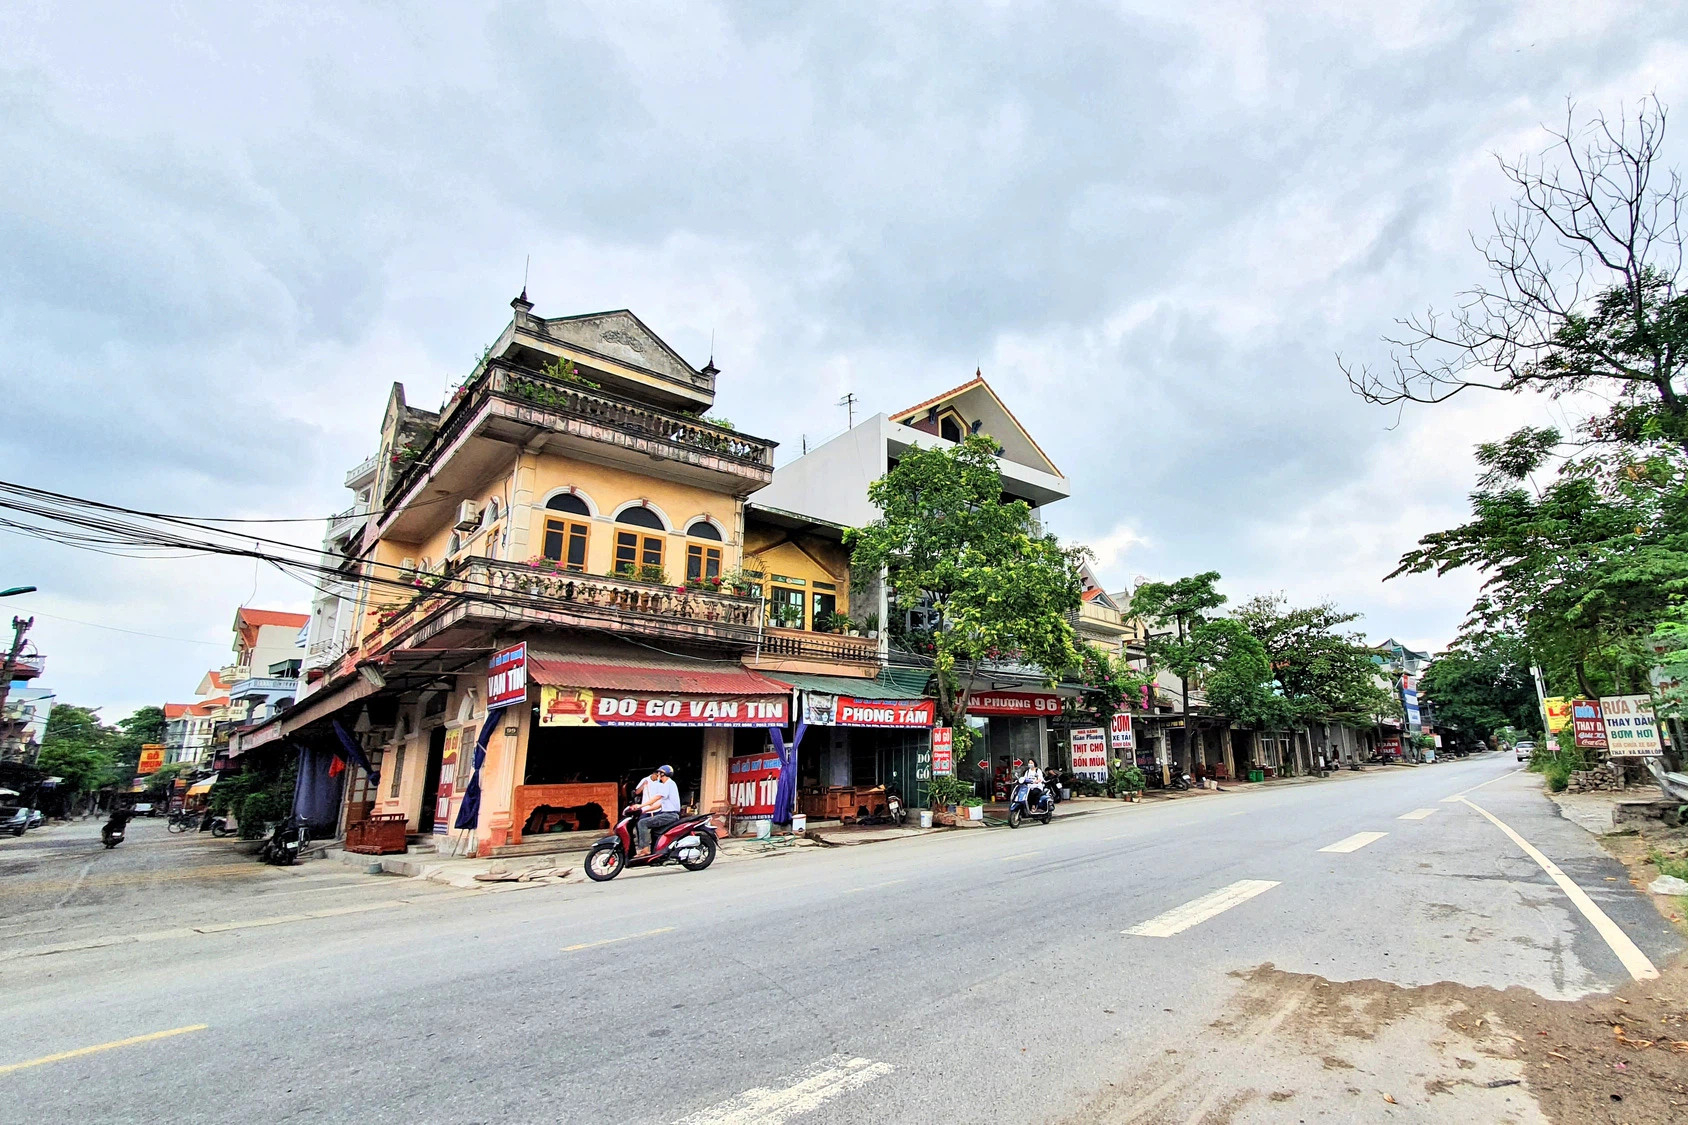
<point x="285" y="843"/>
<point x="111" y="833"/>
<point x="1180" y="780"/>
<point x="1029" y="802"/>
<point x="894" y="807"/>
<point x="181" y="821"/>
<point x="689" y="841"/>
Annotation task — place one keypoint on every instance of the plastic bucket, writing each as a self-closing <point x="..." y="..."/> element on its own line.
<point x="925" y="818"/>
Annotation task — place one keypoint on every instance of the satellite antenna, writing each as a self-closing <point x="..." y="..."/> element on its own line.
<point x="849" y="404"/>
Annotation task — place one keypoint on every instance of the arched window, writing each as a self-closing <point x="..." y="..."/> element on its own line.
<point x="636" y="554"/>
<point x="455" y="545"/>
<point x="568" y="502"/>
<point x="565" y="539"/>
<point x="491" y="515"/>
<point x="703" y="561"/>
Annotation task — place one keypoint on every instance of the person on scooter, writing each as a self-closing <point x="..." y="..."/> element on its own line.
<point x="1033" y="777"/>
<point x="660" y="807"/>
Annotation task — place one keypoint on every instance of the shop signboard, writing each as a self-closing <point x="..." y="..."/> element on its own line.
<point x="1390" y="745"/>
<point x="1558" y="710"/>
<point x="823" y="710"/>
<point x="448" y="780"/>
<point x="943" y="752"/>
<point x="1631" y="729"/>
<point x="1409" y="702"/>
<point x="1119" y="733"/>
<point x="753" y="782"/>
<point x="152" y="758"/>
<point x="1090" y="753"/>
<point x="506" y="677"/>
<point x="583" y="707"/>
<point x="1031" y="704"/>
<point x="1588" y="727"/>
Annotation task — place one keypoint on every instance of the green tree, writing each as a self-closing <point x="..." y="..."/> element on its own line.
<point x="78" y="748"/>
<point x="1108" y="684"/>
<point x="1178" y="607"/>
<point x="1482" y="687"/>
<point x="1322" y="671"/>
<point x="948" y="541"/>
<point x="1217" y="653"/>
<point x="146" y="726"/>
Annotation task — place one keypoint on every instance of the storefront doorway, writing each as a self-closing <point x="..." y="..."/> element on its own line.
<point x="431" y="781"/>
<point x="619" y="755"/>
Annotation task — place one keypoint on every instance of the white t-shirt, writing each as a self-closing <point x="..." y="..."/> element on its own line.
<point x="667" y="790"/>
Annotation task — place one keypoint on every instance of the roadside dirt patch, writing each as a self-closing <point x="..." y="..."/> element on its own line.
<point x="1621" y="1058"/>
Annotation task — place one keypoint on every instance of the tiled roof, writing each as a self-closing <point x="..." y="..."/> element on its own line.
<point x="271" y="617"/>
<point x="176" y="710"/>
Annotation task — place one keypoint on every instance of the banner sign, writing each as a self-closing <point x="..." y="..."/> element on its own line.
<point x="1631" y="729"/>
<point x="1090" y="753"/>
<point x="822" y="710"/>
<point x="1588" y="726"/>
<point x="506" y="677"/>
<point x="152" y="758"/>
<point x="581" y="707"/>
<point x="752" y="783"/>
<point x="1558" y="710"/>
<point x="1028" y="703"/>
<point x="943" y="752"/>
<point x="1409" y="703"/>
<point x="1119" y="732"/>
<point x="1390" y="745"/>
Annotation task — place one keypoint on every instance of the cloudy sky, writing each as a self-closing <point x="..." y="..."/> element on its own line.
<point x="228" y="229"/>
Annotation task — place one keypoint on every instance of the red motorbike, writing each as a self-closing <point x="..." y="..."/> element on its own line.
<point x="689" y="841"/>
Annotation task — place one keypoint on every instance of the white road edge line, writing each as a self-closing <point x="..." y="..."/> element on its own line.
<point x="1417" y="814"/>
<point x="808" y="1090"/>
<point x="1461" y="794"/>
<point x="1197" y="911"/>
<point x="1640" y="968"/>
<point x="1355" y="842"/>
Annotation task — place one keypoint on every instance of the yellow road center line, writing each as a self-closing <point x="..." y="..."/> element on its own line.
<point x="1461" y="794"/>
<point x="613" y="940"/>
<point x="1417" y="814"/>
<point x="875" y="886"/>
<point x="1640" y="968"/>
<point x="80" y="1051"/>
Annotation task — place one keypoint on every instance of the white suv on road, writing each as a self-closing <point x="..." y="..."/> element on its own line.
<point x="1525" y="749"/>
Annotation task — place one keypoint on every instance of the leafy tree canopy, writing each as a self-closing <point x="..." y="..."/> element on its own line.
<point x="1322" y="670"/>
<point x="143" y="728"/>
<point x="1482" y="686"/>
<point x="78" y="748"/>
<point x="947" y="539"/>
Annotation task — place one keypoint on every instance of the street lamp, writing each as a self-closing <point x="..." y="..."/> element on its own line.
<point x="17" y="590"/>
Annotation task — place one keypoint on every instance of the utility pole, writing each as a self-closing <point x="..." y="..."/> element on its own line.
<point x="1189" y="728"/>
<point x="20" y="626"/>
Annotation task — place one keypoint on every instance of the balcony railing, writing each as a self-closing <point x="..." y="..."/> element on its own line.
<point x="669" y="435"/>
<point x="364" y="470"/>
<point x="799" y="644"/>
<point x="494" y="592"/>
<point x="352" y="519"/>
<point x="263" y="685"/>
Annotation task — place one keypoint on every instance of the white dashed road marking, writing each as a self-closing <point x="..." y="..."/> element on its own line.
<point x="1417" y="814"/>
<point x="1177" y="920"/>
<point x="802" y="1092"/>
<point x="1355" y="842"/>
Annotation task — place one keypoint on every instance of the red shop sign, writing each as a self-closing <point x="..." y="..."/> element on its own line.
<point x="1029" y="703"/>
<point x="943" y="751"/>
<point x="1119" y="732"/>
<point x="1588" y="724"/>
<point x="885" y="712"/>
<point x="752" y="783"/>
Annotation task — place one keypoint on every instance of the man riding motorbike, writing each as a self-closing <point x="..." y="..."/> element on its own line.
<point x="659" y="808"/>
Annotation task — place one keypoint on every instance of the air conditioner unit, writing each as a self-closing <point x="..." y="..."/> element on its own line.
<point x="468" y="515"/>
<point x="408" y="565"/>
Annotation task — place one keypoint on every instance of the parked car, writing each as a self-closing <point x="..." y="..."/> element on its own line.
<point x="1525" y="749"/>
<point x="37" y="818"/>
<point x="143" y="808"/>
<point x="14" y="819"/>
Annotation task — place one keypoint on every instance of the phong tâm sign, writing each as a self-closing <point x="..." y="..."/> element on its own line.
<point x="1631" y="729"/>
<point x="1028" y="703"/>
<point x="823" y="710"/>
<point x="582" y="707"/>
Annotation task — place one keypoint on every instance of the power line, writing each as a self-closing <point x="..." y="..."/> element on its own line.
<point x="131" y="632"/>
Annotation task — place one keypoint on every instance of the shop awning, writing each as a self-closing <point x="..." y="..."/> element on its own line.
<point x="199" y="787"/>
<point x="576" y="691"/>
<point x="690" y="677"/>
<point x="853" y="686"/>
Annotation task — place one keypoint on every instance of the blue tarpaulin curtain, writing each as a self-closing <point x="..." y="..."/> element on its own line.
<point x="316" y="792"/>
<point x="354" y="752"/>
<point x="469" y="811"/>
<point x="787" y="788"/>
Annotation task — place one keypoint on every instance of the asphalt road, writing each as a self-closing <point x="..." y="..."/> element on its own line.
<point x="972" y="975"/>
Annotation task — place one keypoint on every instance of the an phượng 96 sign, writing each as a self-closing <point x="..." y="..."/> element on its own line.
<point x="1588" y="726"/>
<point x="506" y="677"/>
<point x="943" y="751"/>
<point x="1090" y="753"/>
<point x="1029" y="703"/>
<point x="1631" y="729"/>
